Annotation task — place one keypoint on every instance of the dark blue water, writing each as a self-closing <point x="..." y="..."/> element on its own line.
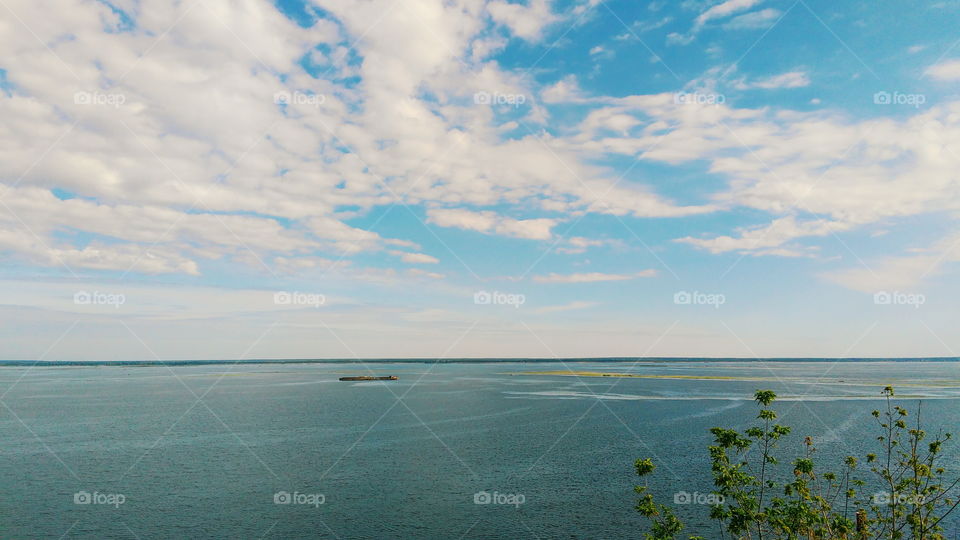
<point x="204" y="451"/>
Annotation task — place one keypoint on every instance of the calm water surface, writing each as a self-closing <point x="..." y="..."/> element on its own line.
<point x="204" y="451"/>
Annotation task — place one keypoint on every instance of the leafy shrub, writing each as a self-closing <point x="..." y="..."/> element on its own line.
<point x="753" y="503"/>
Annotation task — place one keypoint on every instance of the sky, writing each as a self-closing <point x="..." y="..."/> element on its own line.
<point x="466" y="178"/>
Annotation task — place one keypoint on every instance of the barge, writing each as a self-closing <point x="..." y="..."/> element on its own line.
<point x="369" y="378"/>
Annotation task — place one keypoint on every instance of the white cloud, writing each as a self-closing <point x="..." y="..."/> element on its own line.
<point x="525" y="21"/>
<point x="945" y="71"/>
<point x="492" y="223"/>
<point x="177" y="171"/>
<point x="792" y="79"/>
<point x="763" y="18"/>
<point x="199" y="167"/>
<point x="415" y="258"/>
<point x="175" y="178"/>
<point x="676" y="38"/>
<point x="767" y="240"/>
<point x="724" y="9"/>
<point x="566" y="90"/>
<point x="718" y="11"/>
<point x="578" y="244"/>
<point x="645" y="26"/>
<point x="789" y="163"/>
<point x="487" y="46"/>
<point x="592" y="277"/>
<point x="96" y="256"/>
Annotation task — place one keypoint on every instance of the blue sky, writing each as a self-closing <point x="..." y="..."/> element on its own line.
<point x="469" y="179"/>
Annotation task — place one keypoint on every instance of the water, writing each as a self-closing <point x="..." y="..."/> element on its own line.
<point x="410" y="467"/>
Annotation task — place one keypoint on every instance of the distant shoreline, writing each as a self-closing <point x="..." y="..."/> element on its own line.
<point x="155" y="363"/>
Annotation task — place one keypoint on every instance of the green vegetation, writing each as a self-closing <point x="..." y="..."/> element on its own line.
<point x="902" y="495"/>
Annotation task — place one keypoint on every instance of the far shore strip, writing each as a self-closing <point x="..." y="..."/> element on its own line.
<point x="571" y="373"/>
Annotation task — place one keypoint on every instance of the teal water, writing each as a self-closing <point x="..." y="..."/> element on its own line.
<point x="203" y="451"/>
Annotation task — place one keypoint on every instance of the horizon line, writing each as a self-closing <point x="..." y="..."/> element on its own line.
<point x="475" y="360"/>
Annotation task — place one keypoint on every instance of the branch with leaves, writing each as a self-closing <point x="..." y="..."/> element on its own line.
<point x="755" y="503"/>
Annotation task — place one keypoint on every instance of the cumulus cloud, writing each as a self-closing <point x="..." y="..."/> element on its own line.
<point x="566" y="90"/>
<point x="849" y="173"/>
<point x="525" y="21"/>
<point x="137" y="148"/>
<point x="181" y="144"/>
